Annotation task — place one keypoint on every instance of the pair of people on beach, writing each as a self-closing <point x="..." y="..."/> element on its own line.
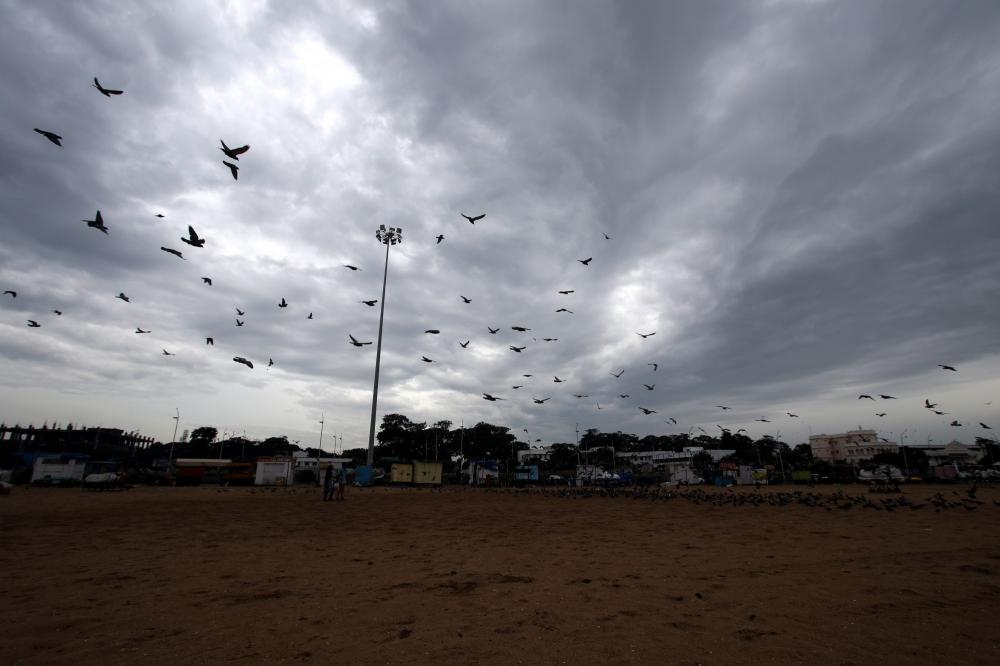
<point x="333" y="483"/>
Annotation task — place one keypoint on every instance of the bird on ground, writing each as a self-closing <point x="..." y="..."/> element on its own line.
<point x="426" y="360"/>
<point x="139" y="331"/>
<point x="550" y="339"/>
<point x="567" y="291"/>
<point x="58" y="312"/>
<point x="176" y="253"/>
<point x="370" y="304"/>
<point x="607" y="237"/>
<point x="564" y="310"/>
<point x="233" y="169"/>
<point x="947" y="367"/>
<point x="984" y="426"/>
<point x="283" y="303"/>
<point x="239" y="323"/>
<point x="493" y="330"/>
<point x="207" y="280"/>
<point x="464" y="345"/>
<point x="580" y="395"/>
<point x="270" y="362"/>
<point x="655" y="366"/>
<point x="310" y="316"/>
<point x="723" y="407"/>
<point x="586" y="262"/>
<point x="792" y="416"/>
<point x="107" y="92"/>
<point x="210" y="341"/>
<point x="672" y="420"/>
<point x="539" y="402"/>
<point x="166" y="353"/>
<point x="11" y="292"/>
<point x="473" y="220"/>
<point x="864" y="396"/>
<point x="886" y="397"/>
<point x="556" y="380"/>
<point x="487" y="396"/>
<point x="123" y="297"/>
<point x="617" y="375"/>
<point x="955" y="423"/>
<point x="33" y="324"/>
<point x="645" y="335"/>
<point x="240" y="359"/>
<point x="193" y="239"/>
<point x="464" y="299"/>
<point x="520" y="329"/>
<point x="928" y="404"/>
<point x="762" y="420"/>
<point x="353" y="268"/>
<point x="97" y="223"/>
<point x="233" y="153"/>
<point x="647" y="412"/>
<point x="51" y="136"/>
<point x="650" y="387"/>
<point x="440" y="238"/>
<point x="880" y="414"/>
<point x="355" y="342"/>
<point x="623" y="395"/>
<point x="240" y="312"/>
<point x="517" y="349"/>
<point x="160" y="215"/>
<point x="432" y="331"/>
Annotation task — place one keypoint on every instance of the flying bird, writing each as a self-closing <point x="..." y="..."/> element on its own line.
<point x="160" y="215"/>
<point x="564" y="310"/>
<point x="210" y="341"/>
<point x="517" y="386"/>
<point x="623" y="395"/>
<point x="370" y="304"/>
<point x="864" y="396"/>
<point x="464" y="299"/>
<point x="283" y="303"/>
<point x="240" y="359"/>
<point x="140" y="331"/>
<point x="650" y="387"/>
<point x="723" y="407"/>
<point x="310" y="316"/>
<point x="426" y="360"/>
<point x="792" y="416"/>
<point x="107" y="92"/>
<point x="207" y="280"/>
<point x="233" y="153"/>
<point x="983" y="425"/>
<point x="166" y="353"/>
<point x="672" y="420"/>
<point x="473" y="220"/>
<point x="517" y="349"/>
<point x="51" y="136"/>
<point x="487" y="396"/>
<point x="193" y="239"/>
<point x="568" y="291"/>
<point x="939" y="413"/>
<point x="887" y="397"/>
<point x="355" y="342"/>
<point x="240" y="312"/>
<point x="598" y="404"/>
<point x="432" y="331"/>
<point x="58" y="312"/>
<point x="527" y="375"/>
<point x="233" y="169"/>
<point x="762" y="420"/>
<point x="645" y="335"/>
<point x="13" y="294"/>
<point x="947" y="367"/>
<point x="521" y="329"/>
<point x="550" y="339"/>
<point x="580" y="395"/>
<point x="586" y="262"/>
<point x="928" y="404"/>
<point x="557" y="380"/>
<point x="123" y="297"/>
<point x="176" y="253"/>
<point x="607" y="237"/>
<point x="539" y="402"/>
<point x="440" y="238"/>
<point x="955" y="423"/>
<point x="655" y="366"/>
<point x="270" y="362"/>
<point x="617" y="375"/>
<point x="493" y="330"/>
<point x="33" y="324"/>
<point x="353" y="268"/>
<point x="239" y="323"/>
<point x="97" y="223"/>
<point x="464" y="345"/>
<point x="880" y="414"/>
<point x="647" y="412"/>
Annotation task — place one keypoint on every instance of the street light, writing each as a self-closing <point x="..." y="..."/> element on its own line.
<point x="388" y="237"/>
<point x="177" y="422"/>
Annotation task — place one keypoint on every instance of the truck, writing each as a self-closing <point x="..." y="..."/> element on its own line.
<point x="59" y="470"/>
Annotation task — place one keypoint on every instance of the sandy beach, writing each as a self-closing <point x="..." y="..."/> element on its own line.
<point x="205" y="575"/>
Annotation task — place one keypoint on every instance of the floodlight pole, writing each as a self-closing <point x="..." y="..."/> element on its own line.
<point x="389" y="237"/>
<point x="170" y="458"/>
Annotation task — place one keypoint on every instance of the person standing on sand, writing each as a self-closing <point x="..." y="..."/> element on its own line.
<point x="341" y="482"/>
<point x="328" y="485"/>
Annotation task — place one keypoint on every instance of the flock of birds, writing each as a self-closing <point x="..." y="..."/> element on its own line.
<point x="197" y="242"/>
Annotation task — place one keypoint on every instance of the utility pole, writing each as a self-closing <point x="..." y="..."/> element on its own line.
<point x="170" y="459"/>
<point x="322" y="422"/>
<point x="389" y="237"/>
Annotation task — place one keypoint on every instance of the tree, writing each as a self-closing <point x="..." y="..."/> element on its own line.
<point x="703" y="463"/>
<point x="204" y="434"/>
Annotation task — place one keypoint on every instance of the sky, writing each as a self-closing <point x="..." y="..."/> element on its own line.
<point x="801" y="197"/>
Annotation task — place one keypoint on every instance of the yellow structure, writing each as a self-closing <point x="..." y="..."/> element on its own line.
<point x="426" y="473"/>
<point x="401" y="473"/>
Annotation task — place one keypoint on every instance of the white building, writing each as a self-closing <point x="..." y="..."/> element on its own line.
<point x="657" y="458"/>
<point x="853" y="446"/>
<point x="952" y="452"/>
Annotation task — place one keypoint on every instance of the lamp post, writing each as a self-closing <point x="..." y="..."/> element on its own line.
<point x="388" y="237"/>
<point x="319" y="451"/>
<point x="177" y="422"/>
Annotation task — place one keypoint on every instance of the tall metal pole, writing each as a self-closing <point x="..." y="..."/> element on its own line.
<point x="378" y="361"/>
<point x="177" y="422"/>
<point x="319" y="452"/>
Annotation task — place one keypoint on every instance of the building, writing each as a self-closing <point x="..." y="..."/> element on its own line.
<point x="534" y="454"/>
<point x="853" y="446"/>
<point x="952" y="452"/>
<point x="661" y="458"/>
<point x="101" y="442"/>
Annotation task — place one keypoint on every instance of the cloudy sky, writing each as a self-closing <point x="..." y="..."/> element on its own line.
<point x="802" y="197"/>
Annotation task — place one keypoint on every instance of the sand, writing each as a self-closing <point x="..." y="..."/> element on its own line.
<point x="199" y="575"/>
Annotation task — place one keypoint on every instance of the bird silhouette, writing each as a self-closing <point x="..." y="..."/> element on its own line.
<point x="240" y="359"/>
<point x="355" y="342"/>
<point x="623" y="395"/>
<point x="310" y="316"/>
<point x="33" y="324"/>
<point x="440" y="238"/>
<point x="556" y="380"/>
<point x="353" y="268"/>
<point x="723" y="407"/>
<point x="517" y="349"/>
<point x="426" y="360"/>
<point x="107" y="92"/>
<point x="928" y="404"/>
<point x="650" y="387"/>
<point x="58" y="312"/>
<point x="520" y="329"/>
<point x="645" y="335"/>
<point x="586" y="262"/>
<point x="233" y="153"/>
<point x="550" y="339"/>
<point x="51" y="136"/>
<point x="955" y="423"/>
<point x="210" y="341"/>
<point x="886" y="397"/>
<point x="193" y="239"/>
<point x="598" y="404"/>
<point x="655" y="366"/>
<point x="122" y="297"/>
<point x="568" y="291"/>
<point x="166" y="353"/>
<point x="617" y="375"/>
<point x="432" y="331"/>
<point x="160" y="215"/>
<point x="647" y="412"/>
<point x="233" y="169"/>
<point x="792" y="416"/>
<point x="139" y="331"/>
<point x="465" y="344"/>
<point x="97" y="223"/>
<point x="564" y="310"/>
<point x="239" y="323"/>
<point x="493" y="330"/>
<point x="464" y="299"/>
<point x="580" y="395"/>
<point x="270" y="362"/>
<point x="762" y="420"/>
<point x="283" y="303"/>
<point x="939" y="413"/>
<point x="984" y="426"/>
<point x="947" y="367"/>
<point x="487" y="396"/>
<point x="880" y="414"/>
<point x="207" y="280"/>
<point x="607" y="237"/>
<point x="176" y="253"/>
<point x="527" y="375"/>
<point x="517" y="386"/>
<point x="672" y="420"/>
<point x="11" y="293"/>
<point x="240" y="312"/>
<point x="473" y="220"/>
<point x="864" y="396"/>
<point x="540" y="401"/>
<point x="370" y="304"/>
